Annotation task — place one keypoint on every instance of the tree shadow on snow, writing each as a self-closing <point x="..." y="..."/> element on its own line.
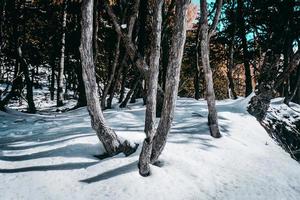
<point x="112" y="173"/>
<point x="8" y="147"/>
<point x="74" y="150"/>
<point x="65" y="166"/>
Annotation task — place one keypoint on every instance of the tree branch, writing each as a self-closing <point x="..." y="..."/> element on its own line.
<point x="216" y="18"/>
<point x="131" y="49"/>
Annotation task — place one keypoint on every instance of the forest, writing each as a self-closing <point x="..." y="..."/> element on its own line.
<point x="157" y="99"/>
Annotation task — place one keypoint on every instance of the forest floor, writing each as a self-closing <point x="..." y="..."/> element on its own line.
<point x="51" y="156"/>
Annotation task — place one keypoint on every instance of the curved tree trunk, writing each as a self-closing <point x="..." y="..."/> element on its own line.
<point x="107" y="136"/>
<point x="173" y="75"/>
<point x="205" y="34"/>
<point x="152" y="82"/>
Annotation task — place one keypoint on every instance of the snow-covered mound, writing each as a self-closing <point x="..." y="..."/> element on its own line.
<point x="51" y="157"/>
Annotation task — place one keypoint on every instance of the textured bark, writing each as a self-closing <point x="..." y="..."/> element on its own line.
<point x="107" y="136"/>
<point x="265" y="89"/>
<point x="205" y="34"/>
<point x="173" y="75"/>
<point x="137" y="59"/>
<point x="24" y="65"/>
<point x="28" y="82"/>
<point x="198" y="66"/>
<point x="241" y="22"/>
<point x="95" y="31"/>
<point x="268" y="85"/>
<point x="131" y="50"/>
<point x="60" y="77"/>
<point x="152" y="82"/>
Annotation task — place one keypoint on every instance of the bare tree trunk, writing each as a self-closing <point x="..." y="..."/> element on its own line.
<point x="152" y="81"/>
<point x="230" y="66"/>
<point x="288" y="99"/>
<point x="248" y="80"/>
<point x="2" y="21"/>
<point x="267" y="84"/>
<point x="232" y="93"/>
<point x="95" y="31"/>
<point x="206" y="33"/>
<point x="173" y="75"/>
<point x="60" y="77"/>
<point x="80" y="88"/>
<point x="131" y="91"/>
<point x="28" y="82"/>
<point x="124" y="73"/>
<point x="198" y="65"/>
<point x="112" y="73"/>
<point x="107" y="136"/>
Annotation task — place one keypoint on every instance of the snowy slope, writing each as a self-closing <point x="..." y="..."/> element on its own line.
<point x="51" y="157"/>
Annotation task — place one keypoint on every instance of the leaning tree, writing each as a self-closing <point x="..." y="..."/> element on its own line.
<point x="111" y="142"/>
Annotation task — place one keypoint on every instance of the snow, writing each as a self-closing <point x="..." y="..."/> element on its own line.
<point x="51" y="157"/>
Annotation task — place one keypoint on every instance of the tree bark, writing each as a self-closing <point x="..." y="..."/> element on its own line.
<point x="28" y="82"/>
<point x="173" y="75"/>
<point x="152" y="82"/>
<point x="60" y="77"/>
<point x="288" y="99"/>
<point x="111" y="142"/>
<point x="131" y="91"/>
<point x="230" y="65"/>
<point x="248" y="80"/>
<point x="231" y="92"/>
<point x="205" y="35"/>
<point x="124" y="73"/>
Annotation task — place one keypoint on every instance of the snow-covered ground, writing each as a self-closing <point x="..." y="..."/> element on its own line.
<point x="51" y="157"/>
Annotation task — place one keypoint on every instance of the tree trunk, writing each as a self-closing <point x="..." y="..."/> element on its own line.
<point x="28" y="82"/>
<point x="112" y="144"/>
<point x="107" y="87"/>
<point x="80" y="88"/>
<point x="232" y="93"/>
<point x="124" y="73"/>
<point x="173" y="75"/>
<point x="248" y="80"/>
<point x="288" y="99"/>
<point x="60" y="77"/>
<point x="131" y="91"/>
<point x="265" y="90"/>
<point x="210" y="93"/>
<point x="230" y="66"/>
<point x="95" y="31"/>
<point x="2" y="21"/>
<point x="152" y="81"/>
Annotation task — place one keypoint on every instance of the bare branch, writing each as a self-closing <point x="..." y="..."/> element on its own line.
<point x="216" y="18"/>
<point x="131" y="49"/>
